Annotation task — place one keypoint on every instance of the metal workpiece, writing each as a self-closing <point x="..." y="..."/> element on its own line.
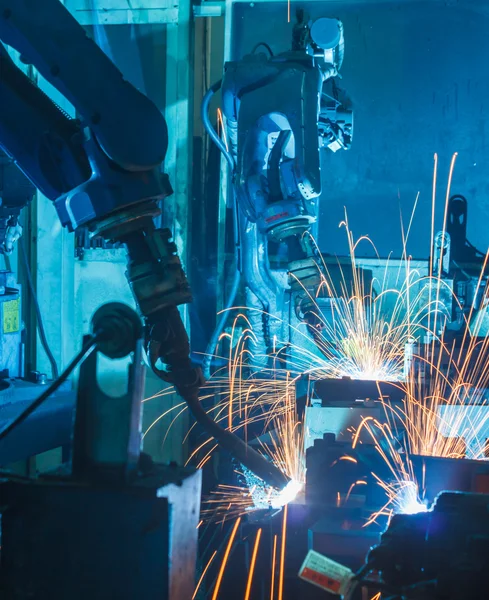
<point x="64" y="539"/>
<point x="339" y="406"/>
<point x="348" y="391"/>
<point x="329" y="476"/>
<point x="342" y="495"/>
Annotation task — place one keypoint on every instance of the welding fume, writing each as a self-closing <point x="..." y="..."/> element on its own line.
<point x="243" y="300"/>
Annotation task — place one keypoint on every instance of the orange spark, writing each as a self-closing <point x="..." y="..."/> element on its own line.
<point x="274" y="560"/>
<point x="282" y="556"/>
<point x="225" y="558"/>
<point x="203" y="574"/>
<point x="220" y="122"/>
<point x="252" y="564"/>
<point x="360" y="482"/>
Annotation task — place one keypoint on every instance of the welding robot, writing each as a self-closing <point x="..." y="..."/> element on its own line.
<point x="436" y="554"/>
<point x="102" y="171"/>
<point x="281" y="111"/>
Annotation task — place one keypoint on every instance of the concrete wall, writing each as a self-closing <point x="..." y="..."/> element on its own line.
<point x="419" y="77"/>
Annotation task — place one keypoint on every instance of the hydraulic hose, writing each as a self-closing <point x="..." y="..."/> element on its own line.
<point x="214" y="340"/>
<point x="204" y="113"/>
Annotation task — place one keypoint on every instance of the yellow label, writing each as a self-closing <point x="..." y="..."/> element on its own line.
<point x="11" y="316"/>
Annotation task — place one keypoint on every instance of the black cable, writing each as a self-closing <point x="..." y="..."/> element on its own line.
<point x="246" y="455"/>
<point x="264" y="45"/>
<point x="40" y="323"/>
<point x="81" y="356"/>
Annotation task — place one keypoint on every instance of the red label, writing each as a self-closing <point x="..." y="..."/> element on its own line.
<point x="276" y="217"/>
<point x="322" y="580"/>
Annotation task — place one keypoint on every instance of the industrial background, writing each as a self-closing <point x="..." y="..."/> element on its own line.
<point x="416" y="73"/>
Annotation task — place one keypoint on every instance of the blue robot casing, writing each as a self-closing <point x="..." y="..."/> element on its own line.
<point x="279" y="117"/>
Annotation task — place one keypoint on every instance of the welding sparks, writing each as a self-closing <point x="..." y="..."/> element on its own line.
<point x="274" y="561"/>
<point x="444" y="413"/>
<point x="201" y="579"/>
<point x="361" y="323"/>
<point x="285" y="448"/>
<point x="361" y="329"/>
<point x="252" y="565"/>
<point x="282" y="555"/>
<point x="225" y="558"/>
<point x="264" y="497"/>
<point x="401" y="488"/>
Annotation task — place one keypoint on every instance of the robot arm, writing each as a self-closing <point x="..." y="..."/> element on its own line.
<point x="103" y="171"/>
<point x="281" y="110"/>
<point x="49" y="37"/>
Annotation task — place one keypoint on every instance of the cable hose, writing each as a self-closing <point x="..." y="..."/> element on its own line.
<point x="81" y="356"/>
<point x="264" y="45"/>
<point x="204" y="113"/>
<point x="247" y="456"/>
<point x="211" y="346"/>
<point x="40" y="323"/>
<point x="216" y="334"/>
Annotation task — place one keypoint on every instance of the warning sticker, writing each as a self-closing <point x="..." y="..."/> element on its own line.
<point x="11" y="316"/>
<point x="326" y="574"/>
